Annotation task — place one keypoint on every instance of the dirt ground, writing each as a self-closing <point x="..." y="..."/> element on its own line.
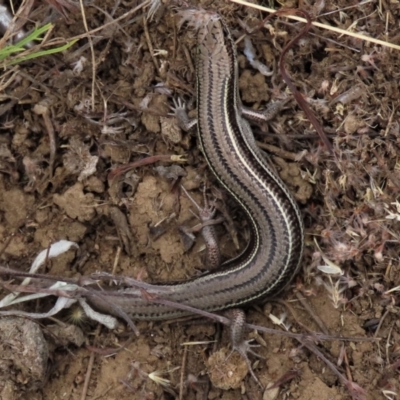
<point x="62" y="132"/>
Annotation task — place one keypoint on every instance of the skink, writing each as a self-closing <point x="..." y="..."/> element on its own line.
<point x="273" y="254"/>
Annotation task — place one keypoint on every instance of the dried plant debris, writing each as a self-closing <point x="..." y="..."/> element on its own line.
<point x="78" y="159"/>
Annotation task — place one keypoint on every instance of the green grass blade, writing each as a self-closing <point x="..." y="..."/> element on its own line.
<point x="40" y="54"/>
<point x="34" y="35"/>
<point x="18" y="47"/>
<point x="7" y="51"/>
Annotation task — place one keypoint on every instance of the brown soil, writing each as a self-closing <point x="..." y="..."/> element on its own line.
<point x="348" y="202"/>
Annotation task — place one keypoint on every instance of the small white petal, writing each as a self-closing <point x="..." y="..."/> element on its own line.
<point x="106" y="320"/>
<point x="331" y="269"/>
